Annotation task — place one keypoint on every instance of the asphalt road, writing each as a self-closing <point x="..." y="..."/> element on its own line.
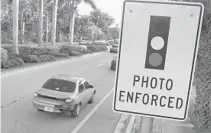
<point x="19" y="116"/>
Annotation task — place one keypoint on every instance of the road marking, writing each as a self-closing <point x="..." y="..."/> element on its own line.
<point x="91" y="113"/>
<point x="99" y="65"/>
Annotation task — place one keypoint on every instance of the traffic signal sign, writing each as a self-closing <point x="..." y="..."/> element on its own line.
<point x="157" y="42"/>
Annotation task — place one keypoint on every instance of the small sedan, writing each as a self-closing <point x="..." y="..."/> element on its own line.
<point x="114" y="49"/>
<point x="64" y="94"/>
<point x="113" y="63"/>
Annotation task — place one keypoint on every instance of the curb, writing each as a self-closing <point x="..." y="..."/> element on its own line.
<point x="125" y="124"/>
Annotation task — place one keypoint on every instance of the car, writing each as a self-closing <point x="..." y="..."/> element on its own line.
<point x="114" y="49"/>
<point x="113" y="63"/>
<point x="64" y="94"/>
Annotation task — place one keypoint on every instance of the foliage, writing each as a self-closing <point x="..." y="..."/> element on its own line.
<point x="94" y="32"/>
<point x="101" y="20"/>
<point x="13" y="63"/>
<point x="96" y="47"/>
<point x="201" y="115"/>
<point x="82" y="24"/>
<point x="4" y="56"/>
<point x="30" y="58"/>
<point x="45" y="58"/>
<point x="58" y="55"/>
<point x="114" y="33"/>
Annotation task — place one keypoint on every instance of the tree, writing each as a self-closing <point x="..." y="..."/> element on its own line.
<point x="73" y="5"/>
<point x="15" y="4"/>
<point x="81" y="27"/>
<point x="101" y="20"/>
<point x="114" y="33"/>
<point x="54" y="20"/>
<point x="41" y="22"/>
<point x="95" y="32"/>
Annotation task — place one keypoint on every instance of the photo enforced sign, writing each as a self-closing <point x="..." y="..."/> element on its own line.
<point x="156" y="59"/>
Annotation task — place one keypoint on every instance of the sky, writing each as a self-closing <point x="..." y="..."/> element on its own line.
<point x="112" y="7"/>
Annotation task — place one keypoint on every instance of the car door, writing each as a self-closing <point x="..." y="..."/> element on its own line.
<point x="89" y="91"/>
<point x="81" y="93"/>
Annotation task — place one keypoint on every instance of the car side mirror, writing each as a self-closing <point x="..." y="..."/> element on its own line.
<point x="91" y="86"/>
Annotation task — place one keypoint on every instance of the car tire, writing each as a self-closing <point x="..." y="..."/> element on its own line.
<point x="92" y="98"/>
<point x="76" y="110"/>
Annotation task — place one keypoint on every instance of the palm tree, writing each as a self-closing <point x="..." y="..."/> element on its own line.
<point x="41" y="22"/>
<point x="15" y="4"/>
<point x="74" y="5"/>
<point x="54" y="20"/>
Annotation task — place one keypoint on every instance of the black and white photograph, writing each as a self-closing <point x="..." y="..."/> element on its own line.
<point x="105" y="66"/>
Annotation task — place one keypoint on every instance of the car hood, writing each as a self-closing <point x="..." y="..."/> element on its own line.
<point x="56" y="94"/>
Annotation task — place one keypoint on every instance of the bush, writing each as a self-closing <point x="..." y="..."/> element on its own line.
<point x="13" y="56"/>
<point x="46" y="58"/>
<point x="65" y="49"/>
<point x="9" y="48"/>
<point x="59" y="55"/>
<point x="30" y="58"/>
<point x="96" y="48"/>
<point x="68" y="49"/>
<point x="13" y="63"/>
<point x="87" y="51"/>
<point x="4" y="56"/>
<point x="25" y="50"/>
<point x="75" y="53"/>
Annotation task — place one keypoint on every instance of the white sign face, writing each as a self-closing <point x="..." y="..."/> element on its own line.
<point x="156" y="59"/>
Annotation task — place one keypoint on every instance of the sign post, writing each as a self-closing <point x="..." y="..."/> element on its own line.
<point x="156" y="58"/>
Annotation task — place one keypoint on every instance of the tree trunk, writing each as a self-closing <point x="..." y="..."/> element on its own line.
<point x="71" y="30"/>
<point x="80" y="40"/>
<point x="22" y="29"/>
<point x="46" y="28"/>
<point x="54" y="19"/>
<point x="41" y="23"/>
<point x="15" y="5"/>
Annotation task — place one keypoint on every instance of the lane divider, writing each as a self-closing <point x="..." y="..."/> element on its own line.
<point x="92" y="112"/>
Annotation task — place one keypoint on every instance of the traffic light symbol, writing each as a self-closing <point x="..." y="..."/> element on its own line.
<point x="157" y="42"/>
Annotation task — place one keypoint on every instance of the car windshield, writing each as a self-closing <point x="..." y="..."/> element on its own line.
<point x="60" y="85"/>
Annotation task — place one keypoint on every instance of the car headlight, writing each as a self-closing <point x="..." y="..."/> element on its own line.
<point x="35" y="94"/>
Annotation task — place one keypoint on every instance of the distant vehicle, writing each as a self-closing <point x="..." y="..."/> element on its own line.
<point x="113" y="63"/>
<point x="114" y="48"/>
<point x="64" y="94"/>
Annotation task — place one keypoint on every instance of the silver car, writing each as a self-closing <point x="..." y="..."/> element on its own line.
<point x="64" y="94"/>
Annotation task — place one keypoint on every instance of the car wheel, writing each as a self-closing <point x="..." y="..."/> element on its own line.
<point x="76" y="110"/>
<point x="92" y="98"/>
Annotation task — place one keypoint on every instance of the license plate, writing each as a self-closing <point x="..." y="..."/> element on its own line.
<point x="48" y="109"/>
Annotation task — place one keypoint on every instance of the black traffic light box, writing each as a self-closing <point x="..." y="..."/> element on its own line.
<point x="157" y="42"/>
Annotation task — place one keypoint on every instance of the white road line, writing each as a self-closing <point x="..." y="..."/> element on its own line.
<point x="91" y="113"/>
<point x="99" y="65"/>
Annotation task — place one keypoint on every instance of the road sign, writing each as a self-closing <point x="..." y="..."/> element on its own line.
<point x="156" y="59"/>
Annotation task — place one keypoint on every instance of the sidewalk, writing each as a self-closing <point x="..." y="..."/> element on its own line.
<point x="177" y="127"/>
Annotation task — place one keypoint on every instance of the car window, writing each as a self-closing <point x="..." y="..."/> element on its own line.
<point x="81" y="88"/>
<point x="60" y="85"/>
<point x="86" y="84"/>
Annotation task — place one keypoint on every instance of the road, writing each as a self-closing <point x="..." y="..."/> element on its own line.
<point x="19" y="116"/>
